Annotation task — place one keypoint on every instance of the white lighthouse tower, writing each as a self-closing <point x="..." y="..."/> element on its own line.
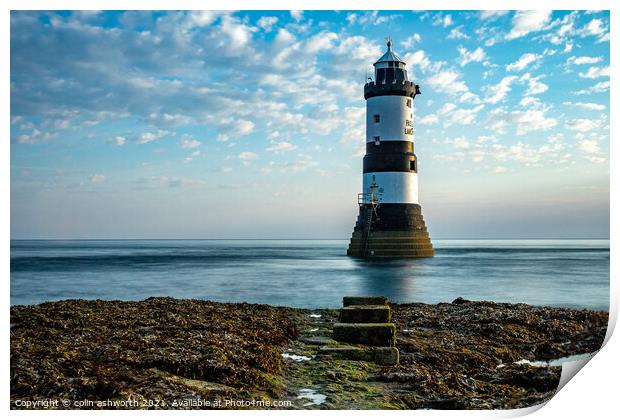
<point x="390" y="223"/>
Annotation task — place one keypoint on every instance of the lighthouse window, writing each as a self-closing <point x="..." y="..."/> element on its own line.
<point x="380" y="75"/>
<point x="377" y="118"/>
<point x="377" y="140"/>
<point x="409" y="103"/>
<point x="412" y="165"/>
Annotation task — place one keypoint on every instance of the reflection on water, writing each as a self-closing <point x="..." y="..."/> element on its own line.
<point x="310" y="273"/>
<point x="393" y="279"/>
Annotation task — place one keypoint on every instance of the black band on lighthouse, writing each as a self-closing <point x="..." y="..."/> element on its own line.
<point x="394" y="217"/>
<point x="399" y="87"/>
<point x="389" y="156"/>
<point x="390" y="163"/>
<point x="389" y="146"/>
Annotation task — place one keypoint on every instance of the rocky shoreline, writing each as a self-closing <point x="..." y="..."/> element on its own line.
<point x="166" y="353"/>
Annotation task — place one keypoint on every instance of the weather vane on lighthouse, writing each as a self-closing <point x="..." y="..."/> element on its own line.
<point x="390" y="222"/>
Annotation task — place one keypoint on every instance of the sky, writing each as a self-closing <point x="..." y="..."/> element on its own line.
<point x="251" y="124"/>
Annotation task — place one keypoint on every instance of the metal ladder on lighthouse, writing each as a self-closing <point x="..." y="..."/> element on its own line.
<point x="374" y="201"/>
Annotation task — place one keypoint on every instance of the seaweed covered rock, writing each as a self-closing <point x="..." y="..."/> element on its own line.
<point x="82" y="349"/>
<point x="481" y="355"/>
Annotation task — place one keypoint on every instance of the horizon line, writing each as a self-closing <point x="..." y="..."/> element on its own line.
<point x="295" y="239"/>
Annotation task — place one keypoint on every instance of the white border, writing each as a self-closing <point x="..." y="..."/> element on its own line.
<point x="592" y="395"/>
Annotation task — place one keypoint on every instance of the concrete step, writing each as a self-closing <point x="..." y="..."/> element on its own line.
<point x="365" y="313"/>
<point x="376" y="334"/>
<point x="385" y="356"/>
<point x="364" y="300"/>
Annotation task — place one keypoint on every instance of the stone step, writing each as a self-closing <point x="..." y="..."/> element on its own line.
<point x="364" y="300"/>
<point x="393" y="233"/>
<point x="392" y="245"/>
<point x="318" y="340"/>
<point x="396" y="239"/>
<point x="365" y="313"/>
<point x="396" y="235"/>
<point x="347" y="352"/>
<point x="376" y="334"/>
<point x="391" y="253"/>
<point x="386" y="356"/>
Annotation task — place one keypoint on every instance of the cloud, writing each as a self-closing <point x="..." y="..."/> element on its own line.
<point x="35" y="136"/>
<point x="534" y="85"/>
<point x="191" y="157"/>
<point x="411" y="41"/>
<point x="447" y="81"/>
<point x="238" y="34"/>
<point x="97" y="178"/>
<point x="267" y="22"/>
<point x="370" y="18"/>
<point x="589" y="146"/>
<point x="459" y="142"/>
<point x="148" y="136"/>
<point x="478" y="56"/>
<point x="320" y="42"/>
<point x="595" y="73"/>
<point x="298" y="165"/>
<point x="584" y="60"/>
<point x="525" y="22"/>
<point x="597" y="28"/>
<point x="442" y="20"/>
<point x="428" y="119"/>
<point x="582" y="125"/>
<point x="450" y="114"/>
<point x="530" y="101"/>
<point x="119" y="140"/>
<point x="586" y="105"/>
<point x="463" y="116"/>
<point x="498" y="92"/>
<point x="417" y="59"/>
<point x="488" y="148"/>
<point x="246" y="157"/>
<point x="283" y="37"/>
<point x="188" y="142"/>
<point x="597" y="88"/>
<point x="231" y="126"/>
<point x="492" y="14"/>
<point x="523" y="62"/>
<point x="281" y="146"/>
<point x="298" y="15"/>
<point x="204" y="17"/>
<point x="524" y="121"/>
<point x="157" y="182"/>
<point x="457" y="33"/>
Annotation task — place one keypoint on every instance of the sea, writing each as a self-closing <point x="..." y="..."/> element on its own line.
<point x="310" y="273"/>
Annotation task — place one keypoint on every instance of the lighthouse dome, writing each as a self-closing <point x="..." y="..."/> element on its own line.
<point x="390" y="68"/>
<point x="389" y="56"/>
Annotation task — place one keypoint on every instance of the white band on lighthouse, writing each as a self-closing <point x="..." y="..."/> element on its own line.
<point x="389" y="118"/>
<point x="394" y="187"/>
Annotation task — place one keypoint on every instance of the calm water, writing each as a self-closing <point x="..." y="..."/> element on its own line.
<point x="310" y="273"/>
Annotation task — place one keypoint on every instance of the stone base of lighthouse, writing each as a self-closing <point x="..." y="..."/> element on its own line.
<point x="396" y="231"/>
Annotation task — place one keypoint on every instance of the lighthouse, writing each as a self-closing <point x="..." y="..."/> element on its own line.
<point x="390" y="222"/>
